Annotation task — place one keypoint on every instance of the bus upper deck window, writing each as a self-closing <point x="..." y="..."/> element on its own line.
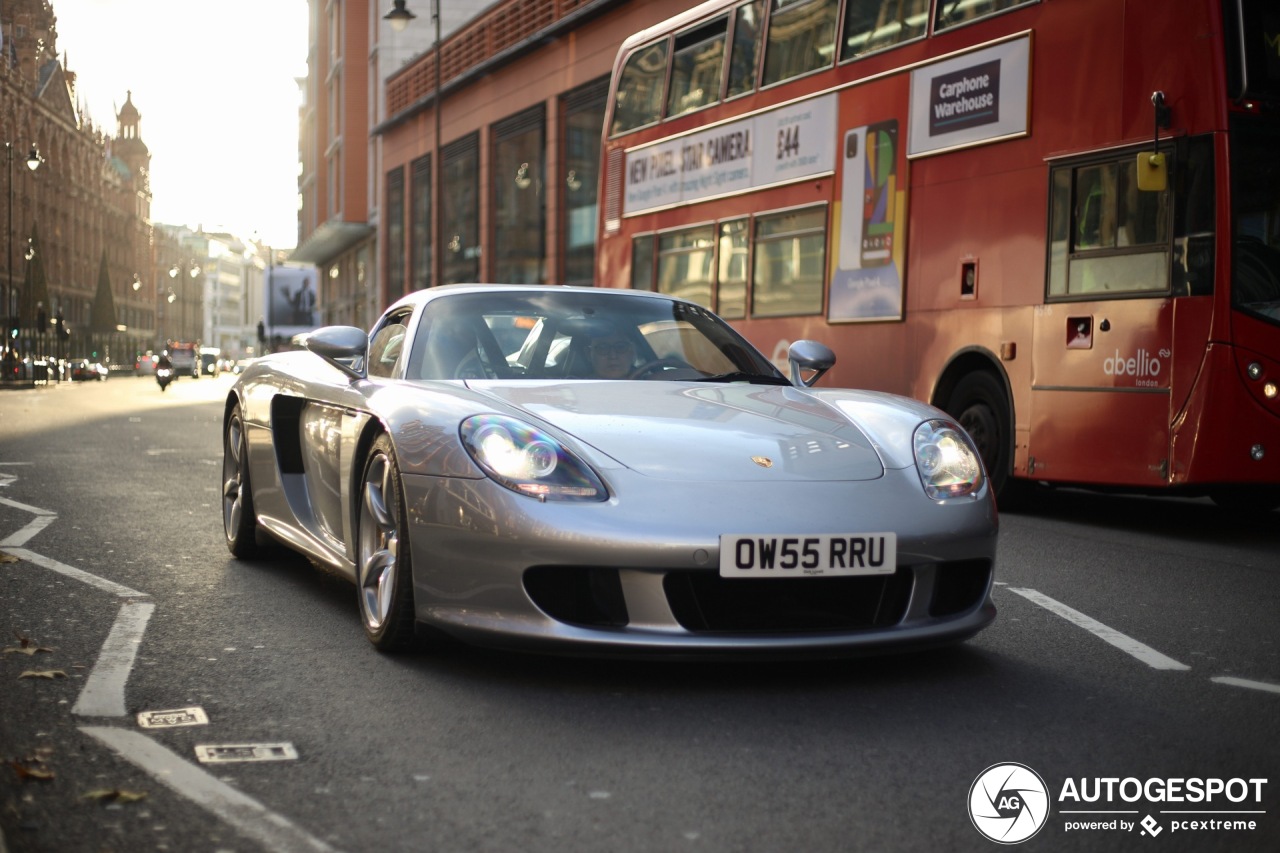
<point x="697" y="67"/>
<point x="871" y="25"/>
<point x="802" y="38"/>
<point x="639" y="97"/>
<point x="746" y="48"/>
<point x="952" y="13"/>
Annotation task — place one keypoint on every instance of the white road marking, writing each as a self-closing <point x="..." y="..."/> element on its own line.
<point x="1124" y="643"/>
<point x="34" y="510"/>
<point x="34" y="526"/>
<point x="103" y="693"/>
<point x="76" y="574"/>
<point x="242" y="812"/>
<point x="1244" y="682"/>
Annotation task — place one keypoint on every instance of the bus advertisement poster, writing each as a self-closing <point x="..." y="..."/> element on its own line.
<point x="866" y="282"/>
<point x="777" y="146"/>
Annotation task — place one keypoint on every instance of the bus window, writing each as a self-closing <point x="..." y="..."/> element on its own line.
<point x="697" y="68"/>
<point x="746" y="49"/>
<point x="731" y="296"/>
<point x="790" y="256"/>
<point x="1119" y="234"/>
<point x="641" y="263"/>
<point x="1255" y="215"/>
<point x="1193" y="218"/>
<point x="685" y="264"/>
<point x="955" y="12"/>
<point x="871" y="25"/>
<point x="802" y="38"/>
<point x="640" y="89"/>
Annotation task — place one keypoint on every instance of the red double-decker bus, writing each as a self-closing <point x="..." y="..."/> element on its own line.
<point x="1059" y="221"/>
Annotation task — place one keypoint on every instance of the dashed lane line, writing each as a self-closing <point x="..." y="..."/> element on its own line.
<point x="1123" y="642"/>
<point x="1244" y="682"/>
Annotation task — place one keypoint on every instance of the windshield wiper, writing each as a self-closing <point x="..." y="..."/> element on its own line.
<point x="741" y="376"/>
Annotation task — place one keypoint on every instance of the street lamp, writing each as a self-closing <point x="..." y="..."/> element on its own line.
<point x="194" y="270"/>
<point x="33" y="162"/>
<point x="399" y="16"/>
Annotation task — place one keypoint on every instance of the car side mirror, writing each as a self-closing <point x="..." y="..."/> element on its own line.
<point x="345" y="347"/>
<point x="809" y="357"/>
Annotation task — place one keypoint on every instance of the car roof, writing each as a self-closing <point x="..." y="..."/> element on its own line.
<point x="419" y="297"/>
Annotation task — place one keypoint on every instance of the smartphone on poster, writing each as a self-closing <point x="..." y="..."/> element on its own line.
<point x="879" y="192"/>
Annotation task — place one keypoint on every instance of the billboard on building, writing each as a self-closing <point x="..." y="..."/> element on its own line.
<point x="292" y="301"/>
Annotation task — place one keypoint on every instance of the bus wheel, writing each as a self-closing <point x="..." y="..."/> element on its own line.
<point x="979" y="405"/>
<point x="1247" y="500"/>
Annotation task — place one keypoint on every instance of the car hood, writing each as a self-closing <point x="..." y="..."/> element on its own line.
<point x="694" y="432"/>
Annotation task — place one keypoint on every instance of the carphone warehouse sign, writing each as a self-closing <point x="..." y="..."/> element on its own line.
<point x="977" y="97"/>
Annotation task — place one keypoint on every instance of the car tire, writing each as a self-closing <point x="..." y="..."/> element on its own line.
<point x="239" y="521"/>
<point x="384" y="574"/>
<point x="979" y="404"/>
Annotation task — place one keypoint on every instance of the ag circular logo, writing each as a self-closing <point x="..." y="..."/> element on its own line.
<point x="1008" y="803"/>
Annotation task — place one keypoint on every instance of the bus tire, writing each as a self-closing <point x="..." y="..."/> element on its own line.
<point x="980" y="405"/>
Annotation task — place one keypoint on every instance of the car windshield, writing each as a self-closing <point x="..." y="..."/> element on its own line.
<point x="575" y="334"/>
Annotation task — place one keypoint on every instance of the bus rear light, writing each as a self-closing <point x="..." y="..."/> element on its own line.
<point x="1257" y="452"/>
<point x="1269" y="390"/>
<point x="1254" y="370"/>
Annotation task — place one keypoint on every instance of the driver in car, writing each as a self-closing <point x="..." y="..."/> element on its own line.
<point x="612" y="356"/>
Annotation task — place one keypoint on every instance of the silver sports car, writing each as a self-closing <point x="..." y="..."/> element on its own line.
<point x="599" y="471"/>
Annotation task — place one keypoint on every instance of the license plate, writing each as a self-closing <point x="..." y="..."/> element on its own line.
<point x="755" y="556"/>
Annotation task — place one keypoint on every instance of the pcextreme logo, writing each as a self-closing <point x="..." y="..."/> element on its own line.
<point x="1009" y="803"/>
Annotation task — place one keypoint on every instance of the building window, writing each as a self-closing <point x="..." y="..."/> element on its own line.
<point x="460" y="213"/>
<point x="395" y="234"/>
<point x="420" y="223"/>
<point x="790" y="257"/>
<point x="583" y="111"/>
<point x="519" y="200"/>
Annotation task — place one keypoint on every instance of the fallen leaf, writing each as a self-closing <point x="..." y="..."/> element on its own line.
<point x="7" y="558"/>
<point x="25" y="650"/>
<point x="25" y="772"/>
<point x="43" y="673"/>
<point x="116" y="795"/>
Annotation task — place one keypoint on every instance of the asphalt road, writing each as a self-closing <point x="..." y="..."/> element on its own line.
<point x="1136" y="641"/>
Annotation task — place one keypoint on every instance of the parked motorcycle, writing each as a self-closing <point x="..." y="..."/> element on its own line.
<point x="164" y="375"/>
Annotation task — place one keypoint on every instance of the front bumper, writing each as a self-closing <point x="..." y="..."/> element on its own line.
<point x="638" y="575"/>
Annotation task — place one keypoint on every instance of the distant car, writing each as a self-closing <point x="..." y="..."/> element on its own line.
<point x="493" y="488"/>
<point x="84" y="370"/>
<point x="145" y="365"/>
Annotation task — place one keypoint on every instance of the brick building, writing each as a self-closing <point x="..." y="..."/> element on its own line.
<point x="521" y="90"/>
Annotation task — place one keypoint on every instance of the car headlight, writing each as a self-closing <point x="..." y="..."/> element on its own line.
<point x="948" y="463"/>
<point x="529" y="461"/>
